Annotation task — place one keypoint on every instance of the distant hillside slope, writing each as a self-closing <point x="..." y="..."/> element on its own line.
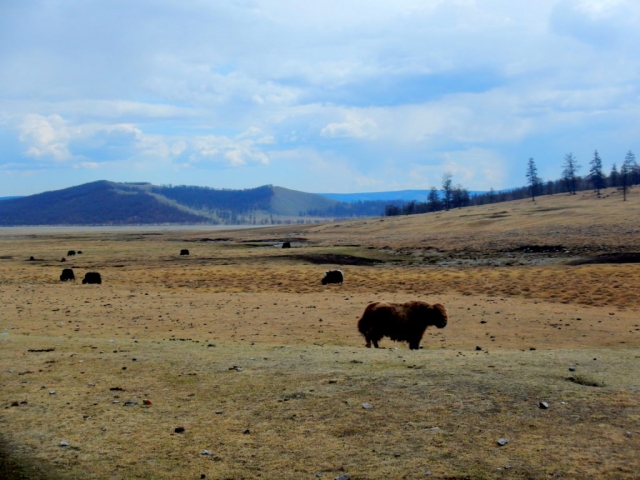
<point x="110" y="203"/>
<point x="96" y="203"/>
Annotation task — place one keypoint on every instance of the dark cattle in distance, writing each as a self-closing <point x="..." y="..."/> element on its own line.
<point x="92" y="277"/>
<point x="32" y="259"/>
<point x="184" y="252"/>
<point x="333" y="276"/>
<point x="79" y="252"/>
<point x="63" y="259"/>
<point x="286" y="245"/>
<point x="67" y="274"/>
<point x="71" y="253"/>
<point x="401" y="322"/>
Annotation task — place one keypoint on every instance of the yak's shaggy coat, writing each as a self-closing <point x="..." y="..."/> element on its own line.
<point x="402" y="322"/>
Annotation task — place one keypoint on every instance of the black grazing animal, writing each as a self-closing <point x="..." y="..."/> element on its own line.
<point x="92" y="277"/>
<point x="79" y="252"/>
<point x="71" y="253"/>
<point x="333" y="276"/>
<point x="286" y="245"/>
<point x="67" y="274"/>
<point x="401" y="322"/>
<point x="184" y="252"/>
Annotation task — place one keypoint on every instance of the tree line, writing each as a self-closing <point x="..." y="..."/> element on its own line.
<point x="456" y="196"/>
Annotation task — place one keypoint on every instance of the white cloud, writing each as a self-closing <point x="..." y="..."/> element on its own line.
<point x="45" y="136"/>
<point x="351" y="127"/>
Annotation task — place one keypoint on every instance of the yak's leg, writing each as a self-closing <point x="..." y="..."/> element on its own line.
<point x="368" y="345"/>
<point x="413" y="345"/>
<point x="375" y="343"/>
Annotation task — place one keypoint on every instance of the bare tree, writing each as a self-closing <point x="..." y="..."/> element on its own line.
<point x="570" y="172"/>
<point x="533" y="179"/>
<point x="629" y="166"/>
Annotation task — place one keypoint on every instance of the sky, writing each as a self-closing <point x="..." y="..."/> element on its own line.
<point x="333" y="96"/>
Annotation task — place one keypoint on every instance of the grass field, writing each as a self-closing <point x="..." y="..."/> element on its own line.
<point x="263" y="367"/>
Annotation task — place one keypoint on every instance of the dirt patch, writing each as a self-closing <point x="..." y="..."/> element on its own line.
<point x="632" y="257"/>
<point x="338" y="259"/>
<point x="537" y="249"/>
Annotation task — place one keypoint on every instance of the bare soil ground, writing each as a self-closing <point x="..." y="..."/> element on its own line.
<point x="263" y="367"/>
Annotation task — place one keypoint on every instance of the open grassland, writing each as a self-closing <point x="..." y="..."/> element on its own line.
<point x="241" y="345"/>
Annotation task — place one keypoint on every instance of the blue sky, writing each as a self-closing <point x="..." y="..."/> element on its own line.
<point x="332" y="96"/>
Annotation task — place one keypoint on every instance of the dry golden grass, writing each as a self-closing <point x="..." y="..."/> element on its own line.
<point x="240" y="336"/>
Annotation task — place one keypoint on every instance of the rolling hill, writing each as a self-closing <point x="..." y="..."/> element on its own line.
<point x="111" y="203"/>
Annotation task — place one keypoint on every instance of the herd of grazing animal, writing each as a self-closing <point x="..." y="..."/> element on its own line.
<point x="400" y="322"/>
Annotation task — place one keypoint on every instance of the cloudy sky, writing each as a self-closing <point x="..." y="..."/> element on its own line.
<point x="328" y="96"/>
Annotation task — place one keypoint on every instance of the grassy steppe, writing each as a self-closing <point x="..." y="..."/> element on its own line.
<point x="241" y="345"/>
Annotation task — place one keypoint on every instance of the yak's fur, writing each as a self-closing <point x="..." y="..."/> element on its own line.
<point x="401" y="322"/>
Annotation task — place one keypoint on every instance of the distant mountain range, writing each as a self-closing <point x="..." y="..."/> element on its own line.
<point x="110" y="203"/>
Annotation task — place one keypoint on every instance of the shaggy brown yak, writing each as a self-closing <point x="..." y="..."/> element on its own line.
<point x="402" y="322"/>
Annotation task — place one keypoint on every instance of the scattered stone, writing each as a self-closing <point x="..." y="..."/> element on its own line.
<point x="147" y="402"/>
<point x="543" y="405"/>
<point x="478" y="349"/>
<point x="344" y="476"/>
<point x="627" y="434"/>
<point x="205" y="452"/>
<point x="64" y="443"/>
<point x="367" y="406"/>
<point x="572" y="368"/>
<point x="91" y="384"/>
<point x="179" y="430"/>
<point x="247" y="431"/>
<point x="218" y="412"/>
<point x="52" y="392"/>
<point x="502" y="442"/>
<point x="236" y="368"/>
<point x="129" y="404"/>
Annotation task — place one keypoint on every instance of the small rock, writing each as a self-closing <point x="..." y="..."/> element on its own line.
<point x="247" y="431"/>
<point x="344" y="476"/>
<point x="147" y="402"/>
<point x="478" y="349"/>
<point x="218" y="412"/>
<point x="205" y="452"/>
<point x="64" y="443"/>
<point x="179" y="430"/>
<point x="502" y="442"/>
<point x="367" y="406"/>
<point x="627" y="434"/>
<point x="52" y="392"/>
<point x="572" y="368"/>
<point x="427" y="473"/>
<point x="129" y="404"/>
<point x="543" y="405"/>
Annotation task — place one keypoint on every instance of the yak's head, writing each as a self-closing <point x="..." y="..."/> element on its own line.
<point x="439" y="315"/>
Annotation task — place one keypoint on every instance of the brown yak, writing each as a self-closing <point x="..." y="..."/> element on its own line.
<point x="401" y="322"/>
